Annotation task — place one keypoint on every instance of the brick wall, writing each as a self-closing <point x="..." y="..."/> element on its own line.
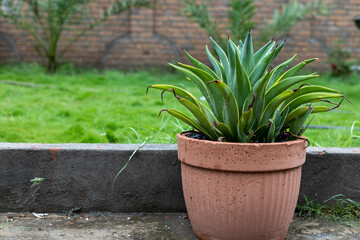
<point x="153" y="37"/>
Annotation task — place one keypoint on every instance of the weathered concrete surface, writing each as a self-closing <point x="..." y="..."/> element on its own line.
<point x="330" y="171"/>
<point x="81" y="175"/>
<point x="172" y="226"/>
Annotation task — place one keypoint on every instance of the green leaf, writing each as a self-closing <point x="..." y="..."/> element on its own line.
<point x="261" y="69"/>
<point x="281" y="86"/>
<point x="230" y="107"/>
<point x="264" y="51"/>
<point x="273" y="105"/>
<point x="226" y="132"/>
<point x="291" y="72"/>
<point x="279" y="70"/>
<point x="198" y="82"/>
<point x="241" y="87"/>
<point x="219" y="69"/>
<point x="246" y="121"/>
<point x="260" y="134"/>
<point x="247" y="54"/>
<point x="309" y="89"/>
<point x="232" y="50"/>
<point x="216" y="101"/>
<point x="294" y="114"/>
<point x="179" y="92"/>
<point x="259" y="92"/>
<point x="223" y="58"/>
<point x="188" y="120"/>
<point x="209" y="114"/>
<point x="303" y="129"/>
<point x="202" y="66"/>
<point x="271" y="133"/>
<point x="279" y="121"/>
<point x="297" y="124"/>
<point x="318" y="109"/>
<point x="200" y="116"/>
<point x="241" y="44"/>
<point x="308" y="98"/>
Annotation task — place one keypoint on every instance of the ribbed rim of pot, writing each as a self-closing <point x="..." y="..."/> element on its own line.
<point x="244" y="157"/>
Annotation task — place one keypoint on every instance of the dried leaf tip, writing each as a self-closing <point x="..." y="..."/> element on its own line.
<point x="252" y="102"/>
<point x="327" y="101"/>
<point x="347" y="99"/>
<point x="214" y="124"/>
<point x="147" y="89"/>
<point x="168" y="90"/>
<point x="164" y="110"/>
<point x="338" y="105"/>
<point x="215" y="80"/>
<point x="295" y="90"/>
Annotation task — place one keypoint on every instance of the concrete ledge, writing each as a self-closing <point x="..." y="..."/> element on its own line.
<point x="81" y="175"/>
<point x="331" y="171"/>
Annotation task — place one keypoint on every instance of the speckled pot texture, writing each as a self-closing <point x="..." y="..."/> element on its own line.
<point x="240" y="191"/>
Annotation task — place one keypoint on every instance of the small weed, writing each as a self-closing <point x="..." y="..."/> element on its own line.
<point x="24" y="228"/>
<point x="342" y="209"/>
<point x="349" y="140"/>
<point x="128" y="161"/>
<point x="36" y="181"/>
<point x="342" y="138"/>
<point x="72" y="212"/>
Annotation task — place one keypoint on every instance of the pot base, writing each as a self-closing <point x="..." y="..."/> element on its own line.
<point x="205" y="237"/>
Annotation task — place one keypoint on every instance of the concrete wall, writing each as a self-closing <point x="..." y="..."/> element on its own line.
<point x="153" y="37"/>
<point x="81" y="175"/>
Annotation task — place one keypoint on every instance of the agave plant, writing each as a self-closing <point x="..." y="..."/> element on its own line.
<point x="246" y="99"/>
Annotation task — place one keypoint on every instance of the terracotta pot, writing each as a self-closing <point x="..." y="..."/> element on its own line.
<point x="242" y="191"/>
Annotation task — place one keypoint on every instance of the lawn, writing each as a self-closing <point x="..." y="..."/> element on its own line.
<point x="89" y="106"/>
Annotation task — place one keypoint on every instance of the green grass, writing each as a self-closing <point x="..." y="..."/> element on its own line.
<point x="85" y="107"/>
<point x="89" y="106"/>
<point x="344" y="116"/>
<point x="338" y="208"/>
